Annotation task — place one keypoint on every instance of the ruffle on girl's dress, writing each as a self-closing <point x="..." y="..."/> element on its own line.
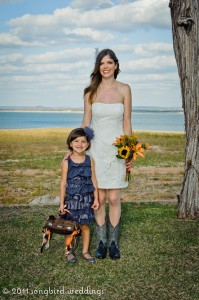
<point x="85" y="216"/>
<point x="79" y="178"/>
<point x="82" y="169"/>
<point x="80" y="209"/>
<point x="83" y="189"/>
<point x="79" y="192"/>
<point x="75" y="202"/>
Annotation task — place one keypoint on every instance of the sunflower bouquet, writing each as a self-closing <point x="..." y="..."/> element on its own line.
<point x="129" y="147"/>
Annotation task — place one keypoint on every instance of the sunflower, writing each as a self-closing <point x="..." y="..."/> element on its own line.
<point x="124" y="152"/>
<point x="129" y="148"/>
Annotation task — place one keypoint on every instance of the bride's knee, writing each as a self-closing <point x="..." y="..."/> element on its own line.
<point x="114" y="201"/>
<point x="102" y="197"/>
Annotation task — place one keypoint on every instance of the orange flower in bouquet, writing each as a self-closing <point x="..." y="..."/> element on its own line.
<point x="129" y="147"/>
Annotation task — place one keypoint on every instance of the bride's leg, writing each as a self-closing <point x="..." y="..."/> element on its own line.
<point x="100" y="217"/>
<point x="114" y="206"/>
<point x="100" y="214"/>
<point x="114" y="222"/>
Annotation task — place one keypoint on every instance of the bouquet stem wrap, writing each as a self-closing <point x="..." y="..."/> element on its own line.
<point x="129" y="148"/>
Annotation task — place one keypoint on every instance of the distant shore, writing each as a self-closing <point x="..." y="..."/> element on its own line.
<point x="43" y="111"/>
<point x="81" y="111"/>
<point x="147" y="120"/>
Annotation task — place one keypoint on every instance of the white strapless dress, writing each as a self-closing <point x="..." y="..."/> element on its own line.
<point x="107" y="123"/>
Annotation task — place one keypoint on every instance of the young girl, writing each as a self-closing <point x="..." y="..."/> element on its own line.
<point x="78" y="192"/>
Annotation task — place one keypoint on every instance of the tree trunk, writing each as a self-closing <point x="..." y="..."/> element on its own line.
<point x="185" y="21"/>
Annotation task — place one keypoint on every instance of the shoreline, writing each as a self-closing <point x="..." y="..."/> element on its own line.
<point x="137" y="111"/>
<point x="69" y="128"/>
<point x="44" y="111"/>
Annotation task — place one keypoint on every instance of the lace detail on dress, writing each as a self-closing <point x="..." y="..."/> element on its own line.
<point x="107" y="123"/>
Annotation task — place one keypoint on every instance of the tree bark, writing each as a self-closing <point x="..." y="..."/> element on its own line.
<point x="185" y="21"/>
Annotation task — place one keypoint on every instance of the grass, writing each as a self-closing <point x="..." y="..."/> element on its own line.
<point x="159" y="253"/>
<point x="159" y="258"/>
<point x="31" y="159"/>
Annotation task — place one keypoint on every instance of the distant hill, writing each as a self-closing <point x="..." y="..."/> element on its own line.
<point x="40" y="108"/>
<point x="156" y="109"/>
<point x="44" y="108"/>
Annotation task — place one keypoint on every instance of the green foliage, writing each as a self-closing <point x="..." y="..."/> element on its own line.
<point x="165" y="149"/>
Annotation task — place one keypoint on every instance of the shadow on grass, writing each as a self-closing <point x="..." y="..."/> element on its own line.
<point x="159" y="258"/>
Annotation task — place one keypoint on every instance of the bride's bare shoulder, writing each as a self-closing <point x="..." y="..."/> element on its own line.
<point x="123" y="87"/>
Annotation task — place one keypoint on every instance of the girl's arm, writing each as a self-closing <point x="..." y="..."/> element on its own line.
<point x="64" y="172"/>
<point x="95" y="205"/>
<point x="87" y="112"/>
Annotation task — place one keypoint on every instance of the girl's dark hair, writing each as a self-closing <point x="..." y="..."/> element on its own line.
<point x="96" y="77"/>
<point x="75" y="133"/>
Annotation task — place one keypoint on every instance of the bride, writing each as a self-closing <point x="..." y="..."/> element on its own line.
<point x="107" y="109"/>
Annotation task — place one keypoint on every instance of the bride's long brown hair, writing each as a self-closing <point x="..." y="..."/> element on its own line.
<point x="96" y="77"/>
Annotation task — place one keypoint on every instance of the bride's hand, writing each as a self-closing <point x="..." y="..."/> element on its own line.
<point x="129" y="164"/>
<point x="68" y="153"/>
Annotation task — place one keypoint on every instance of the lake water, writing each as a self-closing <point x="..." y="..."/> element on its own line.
<point x="144" y="120"/>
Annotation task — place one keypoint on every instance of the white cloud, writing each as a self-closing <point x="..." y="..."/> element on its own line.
<point x="89" y="34"/>
<point x="91" y="24"/>
<point x="44" y="68"/>
<point x="48" y="58"/>
<point x="129" y="16"/>
<point x="155" y="63"/>
<point x="153" y="77"/>
<point x="67" y="55"/>
<point x="155" y="55"/>
<point x="145" y="49"/>
<point x="90" y="4"/>
<point x="9" y="39"/>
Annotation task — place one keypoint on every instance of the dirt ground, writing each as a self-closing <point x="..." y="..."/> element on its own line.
<point x="153" y="183"/>
<point x="146" y="184"/>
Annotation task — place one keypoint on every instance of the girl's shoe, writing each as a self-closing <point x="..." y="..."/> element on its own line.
<point x="89" y="259"/>
<point x="71" y="258"/>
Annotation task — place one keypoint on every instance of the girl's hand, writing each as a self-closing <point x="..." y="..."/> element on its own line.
<point x="68" y="153"/>
<point x="129" y="164"/>
<point x="63" y="210"/>
<point x="95" y="205"/>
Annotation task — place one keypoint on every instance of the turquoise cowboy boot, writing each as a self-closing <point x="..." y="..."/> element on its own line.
<point x="102" y="241"/>
<point x="114" y="251"/>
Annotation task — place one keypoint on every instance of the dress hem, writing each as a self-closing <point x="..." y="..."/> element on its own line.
<point x="112" y="188"/>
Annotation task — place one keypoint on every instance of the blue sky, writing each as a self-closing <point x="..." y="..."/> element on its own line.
<point x="47" y="50"/>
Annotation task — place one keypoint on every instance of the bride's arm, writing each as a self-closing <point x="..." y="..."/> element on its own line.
<point x="85" y="122"/>
<point x="127" y="110"/>
<point x="127" y="118"/>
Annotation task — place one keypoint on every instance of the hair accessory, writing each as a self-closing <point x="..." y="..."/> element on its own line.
<point x="89" y="133"/>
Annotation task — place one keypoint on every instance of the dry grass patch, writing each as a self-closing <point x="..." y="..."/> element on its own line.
<point x="154" y="183"/>
<point x="30" y="165"/>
